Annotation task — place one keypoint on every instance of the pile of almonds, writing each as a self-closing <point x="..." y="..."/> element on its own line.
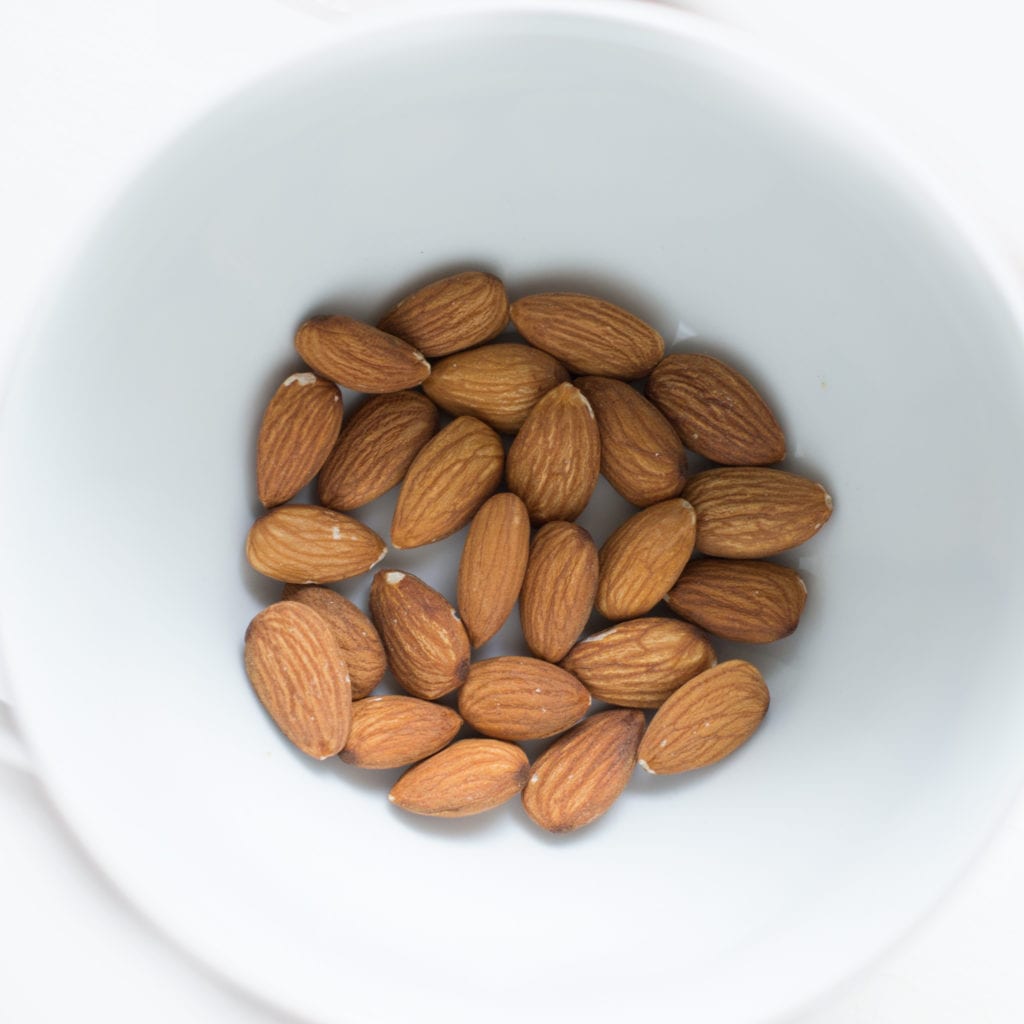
<point x="563" y="390"/>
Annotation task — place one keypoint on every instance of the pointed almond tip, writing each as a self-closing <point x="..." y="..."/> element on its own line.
<point x="393" y="577"/>
<point x="643" y="764"/>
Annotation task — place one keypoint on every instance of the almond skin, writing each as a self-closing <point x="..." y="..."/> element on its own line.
<point x="466" y="778"/>
<point x="516" y="698"/>
<point x="493" y="565"/>
<point x="451" y="477"/>
<point x="716" y="410"/>
<point x="750" y="601"/>
<point x="426" y="644"/>
<point x="454" y="313"/>
<point x="705" y="720"/>
<point x="393" y="731"/>
<point x="358" y="356"/>
<point x="754" y="512"/>
<point x="643" y="558"/>
<point x="300" y="677"/>
<point x="376" y="447"/>
<point x="588" y="335"/>
<point x="309" y="544"/>
<point x="554" y="462"/>
<point x="582" y="773"/>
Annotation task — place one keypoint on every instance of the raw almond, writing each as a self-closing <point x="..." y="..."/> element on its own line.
<point x="393" y="731"/>
<point x="705" y="720"/>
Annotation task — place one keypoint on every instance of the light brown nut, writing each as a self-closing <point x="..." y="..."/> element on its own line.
<point x="705" y="720"/>
<point x="393" y="731"/>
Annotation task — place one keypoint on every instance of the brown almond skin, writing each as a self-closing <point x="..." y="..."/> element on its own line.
<point x="454" y="313"/>
<point x="555" y="459"/>
<point x="426" y="644"/>
<point x="493" y="565"/>
<point x="517" y="698"/>
<point x="300" y="677"/>
<point x="310" y="544"/>
<point x="452" y="476"/>
<point x="355" y="635"/>
<point x="466" y="778"/>
<point x="705" y="720"/>
<point x="640" y="663"/>
<point x="588" y="335"/>
<point x="358" y="356"/>
<point x="395" y="730"/>
<point x="376" y="447"/>
<point x="716" y="410"/>
<point x="751" y="601"/>
<point x="755" y="512"/>
<point x="643" y="558"/>
<point x="582" y="773"/>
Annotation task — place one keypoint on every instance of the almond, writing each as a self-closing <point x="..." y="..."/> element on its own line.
<point x="358" y="356"/>
<point x="309" y="544"/>
<point x="705" y="720"/>
<point x="451" y="314"/>
<point x="643" y="558"/>
<point x="375" y="449"/>
<point x="716" y="410"/>
<point x="753" y="512"/>
<point x="451" y="477"/>
<point x="426" y="644"/>
<point x="515" y="698"/>
<point x="298" y="674"/>
<point x="582" y="773"/>
<point x="466" y="778"/>
<point x="493" y="565"/>
<point x="555" y="459"/>
<point x="588" y="335"/>
<point x="393" y="731"/>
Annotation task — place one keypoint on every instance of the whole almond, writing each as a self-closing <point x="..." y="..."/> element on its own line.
<point x="493" y="565"/>
<point x="376" y="447"/>
<point x="643" y="558"/>
<point x="451" y="314"/>
<point x="751" y="601"/>
<point x="425" y="642"/>
<point x="452" y="476"/>
<point x="310" y="544"/>
<point x="516" y="698"/>
<point x="705" y="720"/>
<point x="754" y="512"/>
<point x="466" y="778"/>
<point x="716" y="410"/>
<point x="588" y="335"/>
<point x="300" y="677"/>
<point x="358" y="356"/>
<point x="393" y="731"/>
<point x="582" y="773"/>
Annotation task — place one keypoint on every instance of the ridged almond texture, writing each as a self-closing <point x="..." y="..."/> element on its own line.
<point x="393" y="731"/>
<point x="705" y="720"/>
<point x="376" y="447"/>
<point x="754" y="512"/>
<point x="555" y="459"/>
<point x="299" y="428"/>
<point x="358" y="356"/>
<point x="300" y="677"/>
<point x="751" y="601"/>
<point x="641" y="454"/>
<point x="451" y="314"/>
<point x="716" y="410"/>
<point x="426" y="644"/>
<point x="451" y="477"/>
<point x="588" y="335"/>
<point x="643" y="558"/>
<point x="493" y="565"/>
<point x="516" y="698"/>
<point x="580" y="776"/>
<point x="310" y="544"/>
<point x="466" y="778"/>
<point x="640" y="663"/>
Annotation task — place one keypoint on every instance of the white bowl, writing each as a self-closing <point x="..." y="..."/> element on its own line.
<point x="622" y="149"/>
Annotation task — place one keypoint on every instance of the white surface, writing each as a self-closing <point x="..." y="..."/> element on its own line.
<point x="933" y="979"/>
